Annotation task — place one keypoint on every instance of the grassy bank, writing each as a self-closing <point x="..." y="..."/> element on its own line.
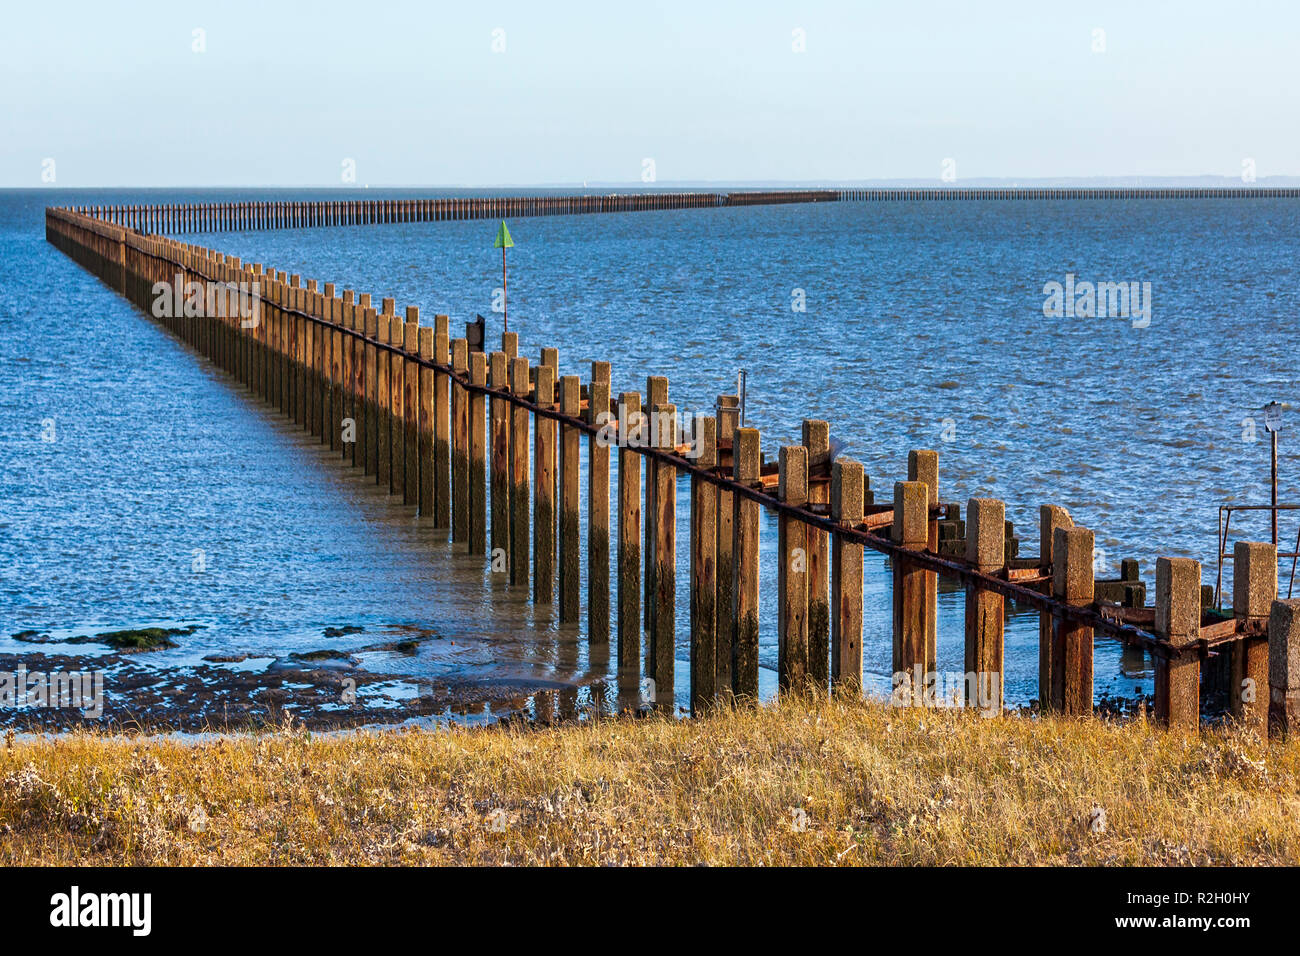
<point x="819" y="783"/>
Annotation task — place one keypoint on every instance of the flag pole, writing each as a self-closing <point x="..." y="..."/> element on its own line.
<point x="503" y="242"/>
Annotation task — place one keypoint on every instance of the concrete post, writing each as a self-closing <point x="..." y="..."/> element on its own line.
<point x="1254" y="589"/>
<point x="1178" y="620"/>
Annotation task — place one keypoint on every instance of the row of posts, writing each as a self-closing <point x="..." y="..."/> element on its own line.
<point x="946" y="193"/>
<point x="174" y="218"/>
<point x="435" y="424"/>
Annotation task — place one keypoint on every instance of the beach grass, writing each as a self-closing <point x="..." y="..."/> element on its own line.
<point x="800" y="781"/>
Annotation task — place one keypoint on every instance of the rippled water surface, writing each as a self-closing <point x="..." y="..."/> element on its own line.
<point x="923" y="327"/>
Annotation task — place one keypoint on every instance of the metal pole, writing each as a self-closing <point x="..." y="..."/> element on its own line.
<point x="1274" y="489"/>
<point x="505" y="312"/>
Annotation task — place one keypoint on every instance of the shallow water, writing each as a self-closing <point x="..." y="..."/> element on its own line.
<point x="171" y="496"/>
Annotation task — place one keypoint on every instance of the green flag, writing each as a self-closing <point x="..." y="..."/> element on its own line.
<point x="503" y="238"/>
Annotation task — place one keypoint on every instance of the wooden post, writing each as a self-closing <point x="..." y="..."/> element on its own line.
<point x="544" y="453"/>
<point x="1284" y="668"/>
<point x="745" y="525"/>
<point x="477" y="455"/>
<point x="848" y="484"/>
<point x="704" y="552"/>
<point x="442" y="423"/>
<point x="629" y="542"/>
<point x="397" y="397"/>
<point x="498" y="378"/>
<point x="1254" y="589"/>
<point x="1073" y="583"/>
<point x="663" y="618"/>
<point x="459" y="441"/>
<point x="1050" y="517"/>
<point x="728" y="410"/>
<point x="300" y="369"/>
<point x="519" y="469"/>
<point x="1178" y="620"/>
<point x="986" y="611"/>
<point x="410" y="407"/>
<point x="338" y="373"/>
<point x="816" y="439"/>
<point x="426" y="423"/>
<point x="656" y="394"/>
<point x="792" y="572"/>
<point x="923" y="466"/>
<point x="911" y="530"/>
<point x="383" y="414"/>
<point x="599" y="416"/>
<point x="570" y="453"/>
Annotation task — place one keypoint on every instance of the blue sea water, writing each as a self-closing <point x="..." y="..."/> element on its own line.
<point x="922" y="326"/>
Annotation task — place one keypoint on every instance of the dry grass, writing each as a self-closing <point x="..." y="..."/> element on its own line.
<point x="792" y="783"/>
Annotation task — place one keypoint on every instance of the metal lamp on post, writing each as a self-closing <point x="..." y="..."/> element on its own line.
<point x="1272" y="424"/>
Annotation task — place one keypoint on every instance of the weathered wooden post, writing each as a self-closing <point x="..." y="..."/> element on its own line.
<point x="460" y="442"/>
<point x="289" y="329"/>
<point x="498" y="378"/>
<point x="397" y="397"/>
<point x="1178" y="620"/>
<point x="338" y="372"/>
<point x="704" y="551"/>
<point x="986" y="610"/>
<point x="426" y="422"/>
<point x="598" y="416"/>
<point x="923" y="466"/>
<point x="745" y="526"/>
<point x="1073" y="583"/>
<point x="410" y="407"/>
<point x="301" y="370"/>
<point x="442" y="423"/>
<point x="363" y="384"/>
<point x="656" y="394"/>
<point x="816" y="439"/>
<point x="519" y="469"/>
<point x="1284" y="668"/>
<point x="792" y="571"/>
<point x="544" y="442"/>
<point x="629" y="541"/>
<point x="383" y="397"/>
<point x="1050" y="517"/>
<point x="570" y="453"/>
<point x="728" y="411"/>
<point x="1254" y="589"/>
<point x="663" y="617"/>
<point x="477" y="455"/>
<point x="848" y="484"/>
<point x="911" y="530"/>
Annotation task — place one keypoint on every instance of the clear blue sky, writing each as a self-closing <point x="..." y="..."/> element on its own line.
<point x="415" y="94"/>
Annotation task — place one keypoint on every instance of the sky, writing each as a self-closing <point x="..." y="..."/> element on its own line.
<point x="227" y="93"/>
